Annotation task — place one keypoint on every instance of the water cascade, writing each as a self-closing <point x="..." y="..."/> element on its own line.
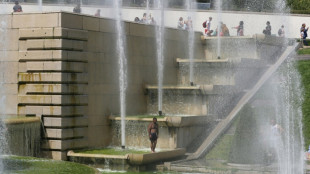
<point x="122" y="66"/>
<point x="3" y="132"/>
<point x="160" y="52"/>
<point x="190" y="13"/>
<point x="219" y="25"/>
<point x="288" y="102"/>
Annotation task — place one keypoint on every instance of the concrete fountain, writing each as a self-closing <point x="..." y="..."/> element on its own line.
<point x="69" y="71"/>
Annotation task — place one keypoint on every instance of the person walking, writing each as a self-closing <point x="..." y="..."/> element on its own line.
<point x="239" y="29"/>
<point x="304" y="34"/>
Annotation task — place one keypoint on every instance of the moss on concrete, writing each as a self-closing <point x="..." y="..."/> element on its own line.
<point x="29" y="165"/>
<point x="112" y="151"/>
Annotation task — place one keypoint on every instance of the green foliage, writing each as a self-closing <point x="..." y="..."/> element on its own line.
<point x="304" y="69"/>
<point x="298" y="4"/>
<point x="222" y="149"/>
<point x="304" y="51"/>
<point x="246" y="144"/>
<point x="30" y="165"/>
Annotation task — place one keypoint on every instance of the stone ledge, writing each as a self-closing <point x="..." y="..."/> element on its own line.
<point x="56" y="66"/>
<point x="65" y="133"/>
<point x="55" y="77"/>
<point x="61" y="44"/>
<point x="53" y="99"/>
<point x="64" y="144"/>
<point x="65" y="122"/>
<point x="47" y="89"/>
<point x="53" y="55"/>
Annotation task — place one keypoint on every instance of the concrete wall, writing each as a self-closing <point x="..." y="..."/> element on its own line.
<point x="253" y="22"/>
<point x="63" y="68"/>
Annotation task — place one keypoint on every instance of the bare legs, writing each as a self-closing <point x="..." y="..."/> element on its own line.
<point x="153" y="145"/>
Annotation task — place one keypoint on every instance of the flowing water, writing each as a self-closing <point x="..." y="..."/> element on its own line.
<point x="219" y="23"/>
<point x="160" y="51"/>
<point x="190" y="14"/>
<point x="122" y="65"/>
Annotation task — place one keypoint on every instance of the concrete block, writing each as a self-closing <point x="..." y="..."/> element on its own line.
<point x="65" y="144"/>
<point x="52" y="89"/>
<point x="45" y="20"/>
<point x="142" y="30"/>
<point x="53" y="77"/>
<point x="22" y="44"/>
<point x="35" y="99"/>
<point x="64" y="110"/>
<point x="8" y="89"/>
<point x="34" y="66"/>
<point x="56" y="155"/>
<point x="70" y="99"/>
<point x="91" y="23"/>
<point x="34" y="110"/>
<point x="30" y="33"/>
<point x="35" y="55"/>
<point x="65" y="133"/>
<point x="72" y="21"/>
<point x="65" y="122"/>
<point x="9" y="56"/>
<point x="10" y="104"/>
<point x="10" y="40"/>
<point x="99" y="141"/>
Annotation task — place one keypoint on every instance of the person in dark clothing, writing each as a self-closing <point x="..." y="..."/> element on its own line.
<point x="304" y="34"/>
<point x="77" y="8"/>
<point x="153" y="133"/>
<point x="17" y="7"/>
<point x="267" y="31"/>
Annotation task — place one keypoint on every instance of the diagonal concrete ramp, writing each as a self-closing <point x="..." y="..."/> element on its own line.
<point x="224" y="124"/>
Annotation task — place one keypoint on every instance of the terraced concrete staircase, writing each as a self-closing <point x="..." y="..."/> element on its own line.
<point x="52" y="84"/>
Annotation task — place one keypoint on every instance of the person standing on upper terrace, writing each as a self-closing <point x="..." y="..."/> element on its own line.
<point x="207" y="26"/>
<point x="267" y="31"/>
<point x="17" y="7"/>
<point x="239" y="29"/>
<point x="304" y="34"/>
<point x="77" y="8"/>
<point x="153" y="132"/>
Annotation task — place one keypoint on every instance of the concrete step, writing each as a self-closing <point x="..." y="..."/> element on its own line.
<point x="54" y="77"/>
<point x="52" y="55"/>
<point x="65" y="122"/>
<point x="186" y="100"/>
<point x="52" y="89"/>
<point x="52" y="32"/>
<point x="56" y="111"/>
<point x="55" y="44"/>
<point x="55" y="66"/>
<point x="53" y="100"/>
<point x="54" y="133"/>
<point x="54" y="154"/>
<point x="219" y="72"/>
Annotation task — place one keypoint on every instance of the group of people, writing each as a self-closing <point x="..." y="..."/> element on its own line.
<point x="185" y="24"/>
<point x="304" y="34"/>
<point x="77" y="9"/>
<point x="221" y="30"/>
<point x="146" y="19"/>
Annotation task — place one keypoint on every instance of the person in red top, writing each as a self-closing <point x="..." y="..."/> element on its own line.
<point x="153" y="133"/>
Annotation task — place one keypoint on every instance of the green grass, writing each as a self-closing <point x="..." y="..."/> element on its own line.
<point x="222" y="149"/>
<point x="30" y="165"/>
<point x="112" y="151"/>
<point x="304" y="70"/>
<point x="303" y="51"/>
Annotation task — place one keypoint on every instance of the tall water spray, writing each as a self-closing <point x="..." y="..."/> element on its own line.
<point x="160" y="52"/>
<point x="122" y="66"/>
<point x="40" y="5"/>
<point x="288" y="96"/>
<point x="190" y="14"/>
<point x="219" y="26"/>
<point x="3" y="43"/>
